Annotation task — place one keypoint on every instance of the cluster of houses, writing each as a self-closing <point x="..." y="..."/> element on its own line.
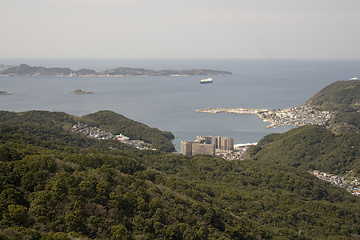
<point x="351" y="186"/>
<point x="240" y="152"/>
<point x="97" y="133"/>
<point x="296" y="116"/>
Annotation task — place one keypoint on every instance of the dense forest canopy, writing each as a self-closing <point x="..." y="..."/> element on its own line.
<point x="311" y="147"/>
<point x="106" y="120"/>
<point x="58" y="184"/>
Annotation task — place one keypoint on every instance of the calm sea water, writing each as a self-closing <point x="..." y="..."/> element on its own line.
<point x="169" y="103"/>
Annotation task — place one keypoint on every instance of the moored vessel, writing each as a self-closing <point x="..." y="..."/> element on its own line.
<point x="206" y="80"/>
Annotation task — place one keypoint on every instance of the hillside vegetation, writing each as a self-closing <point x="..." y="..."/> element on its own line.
<point x="343" y="98"/>
<point x="314" y="147"/>
<point x="106" y="120"/>
<point x="116" y="124"/>
<point x="311" y="147"/>
<point x="58" y="184"/>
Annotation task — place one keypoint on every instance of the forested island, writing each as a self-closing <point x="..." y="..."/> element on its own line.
<point x="59" y="183"/>
<point x="26" y="70"/>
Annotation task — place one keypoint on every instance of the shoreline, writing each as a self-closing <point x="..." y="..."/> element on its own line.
<point x="295" y="116"/>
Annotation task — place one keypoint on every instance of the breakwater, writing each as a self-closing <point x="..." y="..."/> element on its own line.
<point x="233" y="110"/>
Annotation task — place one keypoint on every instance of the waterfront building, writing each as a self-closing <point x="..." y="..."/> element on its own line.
<point x="224" y="143"/>
<point x="203" y="148"/>
<point x="204" y="139"/>
<point x="195" y="148"/>
<point x="186" y="148"/>
<point x="204" y="145"/>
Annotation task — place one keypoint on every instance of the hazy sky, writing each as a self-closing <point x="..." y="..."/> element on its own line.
<point x="180" y="29"/>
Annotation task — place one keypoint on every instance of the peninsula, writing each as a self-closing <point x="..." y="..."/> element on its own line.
<point x="295" y="116"/>
<point x="26" y="70"/>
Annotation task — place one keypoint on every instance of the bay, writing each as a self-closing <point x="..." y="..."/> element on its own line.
<point x="169" y="103"/>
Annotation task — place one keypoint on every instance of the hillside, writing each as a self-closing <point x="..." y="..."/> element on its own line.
<point x="311" y="147"/>
<point x="334" y="149"/>
<point x="343" y="98"/>
<point x="106" y="120"/>
<point x="117" y="124"/>
<point x="339" y="96"/>
<point x="58" y="184"/>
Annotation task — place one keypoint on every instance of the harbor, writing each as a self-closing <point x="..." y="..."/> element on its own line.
<point x="295" y="116"/>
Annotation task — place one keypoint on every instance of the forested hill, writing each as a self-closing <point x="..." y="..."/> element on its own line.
<point x="312" y="147"/>
<point x="58" y="184"/>
<point x="116" y="123"/>
<point x="338" y="96"/>
<point x="343" y="98"/>
<point x="335" y="149"/>
<point x="106" y="120"/>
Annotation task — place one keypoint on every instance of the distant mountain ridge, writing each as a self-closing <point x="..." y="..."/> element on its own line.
<point x="26" y="70"/>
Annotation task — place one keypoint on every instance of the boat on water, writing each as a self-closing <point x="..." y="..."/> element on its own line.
<point x="354" y="78"/>
<point x="206" y="80"/>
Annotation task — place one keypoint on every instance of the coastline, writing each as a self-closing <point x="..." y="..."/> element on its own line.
<point x="295" y="116"/>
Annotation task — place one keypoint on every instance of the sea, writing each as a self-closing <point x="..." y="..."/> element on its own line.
<point x="170" y="102"/>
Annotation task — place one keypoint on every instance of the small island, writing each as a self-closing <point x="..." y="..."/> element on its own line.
<point x="4" y="93"/>
<point x="79" y="91"/>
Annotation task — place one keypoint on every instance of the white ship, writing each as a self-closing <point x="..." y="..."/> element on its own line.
<point x="206" y="80"/>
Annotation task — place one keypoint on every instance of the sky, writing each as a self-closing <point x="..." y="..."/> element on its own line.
<point x="249" y="29"/>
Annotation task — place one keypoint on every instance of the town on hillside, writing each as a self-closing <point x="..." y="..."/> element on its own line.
<point x="351" y="186"/>
<point x="97" y="133"/>
<point x="295" y="116"/>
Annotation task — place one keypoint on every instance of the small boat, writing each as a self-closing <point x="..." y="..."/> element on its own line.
<point x="206" y="80"/>
<point x="354" y="78"/>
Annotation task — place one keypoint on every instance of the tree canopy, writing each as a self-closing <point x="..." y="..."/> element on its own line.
<point x="58" y="184"/>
